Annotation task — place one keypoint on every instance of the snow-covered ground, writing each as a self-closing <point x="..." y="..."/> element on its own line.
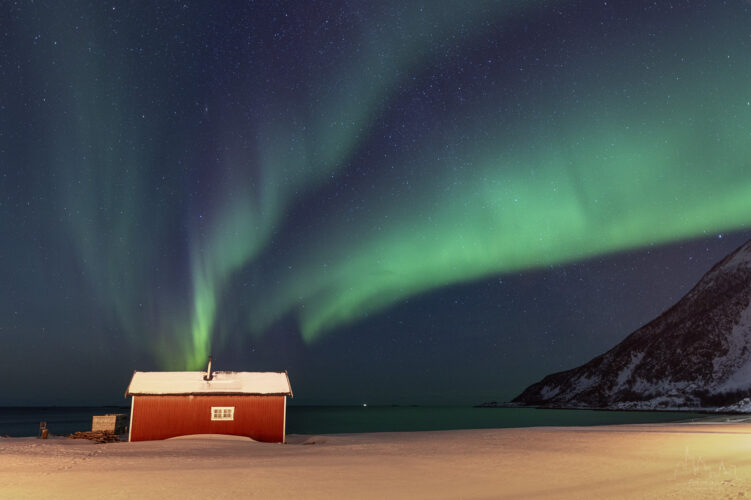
<point x="702" y="460"/>
<point x="742" y="406"/>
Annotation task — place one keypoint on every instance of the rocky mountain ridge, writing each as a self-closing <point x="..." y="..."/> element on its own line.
<point x="697" y="354"/>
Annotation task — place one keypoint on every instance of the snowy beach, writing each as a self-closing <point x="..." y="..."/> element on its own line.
<point x="700" y="460"/>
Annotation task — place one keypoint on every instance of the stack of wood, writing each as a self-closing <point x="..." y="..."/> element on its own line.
<point x="98" y="436"/>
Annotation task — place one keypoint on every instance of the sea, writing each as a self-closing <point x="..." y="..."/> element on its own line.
<point x="25" y="421"/>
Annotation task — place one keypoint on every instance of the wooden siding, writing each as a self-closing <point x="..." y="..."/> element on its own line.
<point x="161" y="417"/>
<point x="111" y="423"/>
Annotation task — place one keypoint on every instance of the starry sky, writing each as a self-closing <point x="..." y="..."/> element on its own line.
<point x="428" y="202"/>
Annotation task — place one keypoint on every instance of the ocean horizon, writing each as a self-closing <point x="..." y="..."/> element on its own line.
<point x="24" y="421"/>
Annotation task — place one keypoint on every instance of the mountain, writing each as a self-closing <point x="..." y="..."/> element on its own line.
<point x="697" y="354"/>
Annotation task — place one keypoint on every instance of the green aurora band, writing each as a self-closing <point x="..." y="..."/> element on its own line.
<point x="321" y="137"/>
<point x="555" y="155"/>
<point x="636" y="161"/>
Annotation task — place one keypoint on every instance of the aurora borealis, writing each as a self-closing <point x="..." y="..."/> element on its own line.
<point x="361" y="192"/>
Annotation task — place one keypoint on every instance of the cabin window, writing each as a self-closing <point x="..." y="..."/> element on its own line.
<point x="222" y="413"/>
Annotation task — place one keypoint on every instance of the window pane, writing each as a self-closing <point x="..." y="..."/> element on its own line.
<point x="222" y="413"/>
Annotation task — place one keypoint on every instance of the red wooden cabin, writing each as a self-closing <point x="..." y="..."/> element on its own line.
<point x="169" y="404"/>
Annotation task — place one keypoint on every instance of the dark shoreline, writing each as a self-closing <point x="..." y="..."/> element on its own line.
<point x="706" y="411"/>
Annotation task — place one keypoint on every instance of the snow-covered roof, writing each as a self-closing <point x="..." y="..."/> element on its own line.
<point x="179" y="383"/>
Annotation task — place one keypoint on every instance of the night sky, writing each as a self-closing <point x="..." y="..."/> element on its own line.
<point x="398" y="202"/>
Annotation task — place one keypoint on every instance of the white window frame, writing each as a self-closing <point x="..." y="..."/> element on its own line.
<point x="223" y="413"/>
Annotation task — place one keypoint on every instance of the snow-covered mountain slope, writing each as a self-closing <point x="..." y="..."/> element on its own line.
<point x="696" y="354"/>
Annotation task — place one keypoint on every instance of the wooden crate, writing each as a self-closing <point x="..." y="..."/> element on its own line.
<point x="116" y="422"/>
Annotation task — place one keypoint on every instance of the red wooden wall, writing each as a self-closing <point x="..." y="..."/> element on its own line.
<point x="162" y="417"/>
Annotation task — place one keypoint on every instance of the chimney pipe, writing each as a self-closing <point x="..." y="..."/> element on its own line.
<point x="208" y="375"/>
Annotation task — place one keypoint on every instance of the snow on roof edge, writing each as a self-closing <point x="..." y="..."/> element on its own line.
<point x="222" y="383"/>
